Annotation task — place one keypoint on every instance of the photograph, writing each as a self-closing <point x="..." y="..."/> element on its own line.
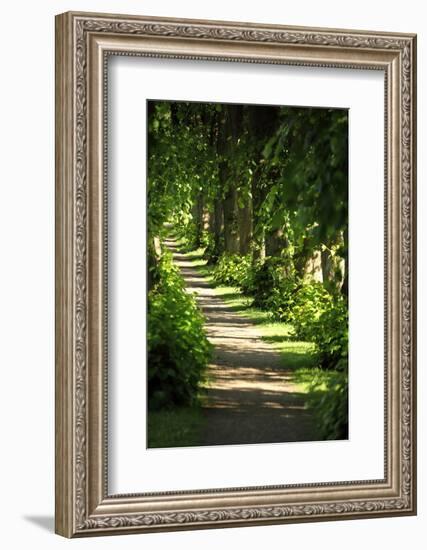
<point x="247" y="274"/>
<point x="235" y="271"/>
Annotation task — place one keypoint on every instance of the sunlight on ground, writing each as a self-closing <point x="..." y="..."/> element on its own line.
<point x="257" y="366"/>
<point x="296" y="355"/>
<point x="298" y="358"/>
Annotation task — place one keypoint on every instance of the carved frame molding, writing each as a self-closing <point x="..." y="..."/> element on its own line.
<point x="83" y="42"/>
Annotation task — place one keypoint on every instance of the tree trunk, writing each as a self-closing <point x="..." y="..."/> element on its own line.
<point x="217" y="222"/>
<point x="333" y="265"/>
<point x="154" y="252"/>
<point x="258" y="196"/>
<point x="258" y="251"/>
<point x="327" y="268"/>
<point x="245" y="226"/>
<point x="206" y="219"/>
<point x="313" y="267"/>
<point x="333" y="268"/>
<point x="198" y="217"/>
<point x="302" y="258"/>
<point x="232" y="127"/>
<point x="275" y="243"/>
<point x="344" y="288"/>
<point x="261" y="123"/>
<point x="231" y="230"/>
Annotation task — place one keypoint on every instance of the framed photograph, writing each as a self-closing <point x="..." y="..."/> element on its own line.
<point x="235" y="274"/>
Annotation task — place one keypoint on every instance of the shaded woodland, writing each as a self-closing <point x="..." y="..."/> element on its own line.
<point x="262" y="191"/>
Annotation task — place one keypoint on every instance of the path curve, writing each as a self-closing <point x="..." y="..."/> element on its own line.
<point x="250" y="396"/>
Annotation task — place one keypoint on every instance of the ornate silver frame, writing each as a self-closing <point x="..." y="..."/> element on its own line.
<point x="83" y="505"/>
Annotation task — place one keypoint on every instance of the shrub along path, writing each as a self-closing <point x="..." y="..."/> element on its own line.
<point x="250" y="395"/>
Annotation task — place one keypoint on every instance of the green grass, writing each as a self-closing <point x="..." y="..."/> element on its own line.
<point x="318" y="385"/>
<point x="296" y="355"/>
<point x="179" y="427"/>
<point x="183" y="427"/>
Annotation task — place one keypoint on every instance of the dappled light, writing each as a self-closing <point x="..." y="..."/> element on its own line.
<point x="247" y="273"/>
<point x="247" y="383"/>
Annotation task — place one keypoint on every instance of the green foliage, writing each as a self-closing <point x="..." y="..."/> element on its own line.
<point x="311" y="301"/>
<point x="287" y="167"/>
<point x="192" y="239"/>
<point x="331" y="336"/>
<point x="290" y="162"/>
<point x="187" y="235"/>
<point x="272" y="287"/>
<point x="328" y="398"/>
<point x="232" y="269"/>
<point x="213" y="249"/>
<point x="310" y="152"/>
<point x="181" y="160"/>
<point x="282" y="300"/>
<point x="178" y="349"/>
<point x="322" y="318"/>
<point x="316" y="314"/>
<point x="327" y="393"/>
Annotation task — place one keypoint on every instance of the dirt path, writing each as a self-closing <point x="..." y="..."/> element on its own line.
<point x="250" y="398"/>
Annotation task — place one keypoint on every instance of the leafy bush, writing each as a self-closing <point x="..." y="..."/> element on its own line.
<point x="187" y="234"/>
<point x="273" y="288"/>
<point x="328" y="398"/>
<point x="316" y="314"/>
<point x="178" y="349"/>
<point x="232" y="269"/>
<point x="331" y="336"/>
<point x="282" y="300"/>
<point x="322" y="318"/>
<point x="205" y="239"/>
<point x="263" y="276"/>
<point x="312" y="300"/>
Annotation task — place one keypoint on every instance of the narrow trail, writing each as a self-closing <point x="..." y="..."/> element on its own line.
<point x="250" y="396"/>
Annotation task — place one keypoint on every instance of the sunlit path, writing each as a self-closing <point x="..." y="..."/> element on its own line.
<point x="250" y="396"/>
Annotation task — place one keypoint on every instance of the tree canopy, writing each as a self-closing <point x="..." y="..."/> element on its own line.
<point x="265" y="180"/>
